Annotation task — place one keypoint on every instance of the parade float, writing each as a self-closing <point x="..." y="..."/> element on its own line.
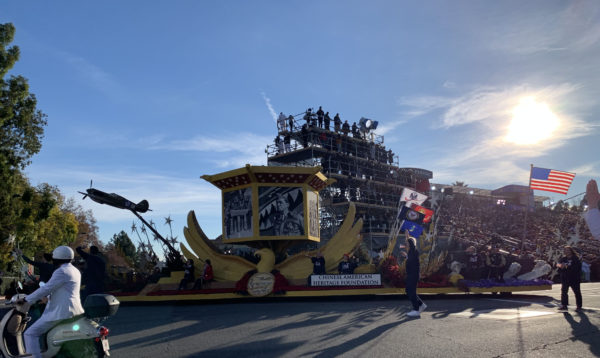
<point x="325" y="193"/>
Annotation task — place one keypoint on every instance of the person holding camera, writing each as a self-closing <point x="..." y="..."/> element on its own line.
<point x="413" y="273"/>
<point x="569" y="267"/>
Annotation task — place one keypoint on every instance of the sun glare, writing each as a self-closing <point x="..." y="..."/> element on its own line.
<point x="532" y="122"/>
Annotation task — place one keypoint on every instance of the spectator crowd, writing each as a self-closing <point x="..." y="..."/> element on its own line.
<point x="480" y="228"/>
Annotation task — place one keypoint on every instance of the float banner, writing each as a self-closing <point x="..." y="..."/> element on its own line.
<point x="346" y="280"/>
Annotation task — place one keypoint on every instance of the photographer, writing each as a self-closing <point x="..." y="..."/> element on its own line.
<point x="569" y="267"/>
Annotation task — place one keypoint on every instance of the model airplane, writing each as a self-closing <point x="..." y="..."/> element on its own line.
<point x="115" y="200"/>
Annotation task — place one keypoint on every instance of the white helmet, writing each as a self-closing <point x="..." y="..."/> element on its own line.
<point x="63" y="253"/>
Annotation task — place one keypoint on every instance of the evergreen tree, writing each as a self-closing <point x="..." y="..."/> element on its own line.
<point x="125" y="246"/>
<point x="21" y="132"/>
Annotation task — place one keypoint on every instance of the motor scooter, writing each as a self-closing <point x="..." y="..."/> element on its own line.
<point x="79" y="336"/>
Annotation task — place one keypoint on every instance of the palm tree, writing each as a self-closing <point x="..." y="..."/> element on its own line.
<point x="460" y="183"/>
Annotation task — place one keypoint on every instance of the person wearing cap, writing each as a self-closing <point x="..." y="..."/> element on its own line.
<point x="64" y="303"/>
<point x="285" y="221"/>
<point x="412" y="276"/>
<point x="346" y="267"/>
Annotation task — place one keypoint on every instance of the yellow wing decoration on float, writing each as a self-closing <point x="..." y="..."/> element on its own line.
<point x="225" y="267"/>
<point x="344" y="241"/>
<point x="232" y="268"/>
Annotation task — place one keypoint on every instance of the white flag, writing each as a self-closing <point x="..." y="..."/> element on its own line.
<point x="410" y="197"/>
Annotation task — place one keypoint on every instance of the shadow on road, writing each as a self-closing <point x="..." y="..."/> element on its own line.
<point x="375" y="333"/>
<point x="196" y="320"/>
<point x="584" y="331"/>
<point x="274" y="347"/>
<point x="341" y="327"/>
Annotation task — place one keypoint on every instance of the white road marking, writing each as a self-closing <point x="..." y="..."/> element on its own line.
<point x="527" y="302"/>
<point x="549" y="305"/>
<point x="503" y="313"/>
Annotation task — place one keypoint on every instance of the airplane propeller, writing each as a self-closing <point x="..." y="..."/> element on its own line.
<point x="85" y="195"/>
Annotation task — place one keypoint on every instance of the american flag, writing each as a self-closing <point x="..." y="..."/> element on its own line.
<point x="551" y="180"/>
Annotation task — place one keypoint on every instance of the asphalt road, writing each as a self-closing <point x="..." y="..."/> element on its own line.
<point x="524" y="325"/>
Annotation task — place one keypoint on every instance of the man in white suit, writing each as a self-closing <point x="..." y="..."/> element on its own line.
<point x="64" y="303"/>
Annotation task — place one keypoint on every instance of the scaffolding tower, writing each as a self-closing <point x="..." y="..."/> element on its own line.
<point x="366" y="173"/>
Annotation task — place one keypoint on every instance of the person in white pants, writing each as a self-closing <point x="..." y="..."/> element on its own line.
<point x="64" y="302"/>
<point x="592" y="216"/>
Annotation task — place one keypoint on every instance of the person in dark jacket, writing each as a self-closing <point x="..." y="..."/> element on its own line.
<point x="412" y="276"/>
<point x="337" y="123"/>
<point x="320" y="115"/>
<point x="188" y="275"/>
<point x="45" y="268"/>
<point x="327" y="120"/>
<point x="318" y="262"/>
<point x="94" y="272"/>
<point x="495" y="263"/>
<point x="475" y="263"/>
<point x="346" y="266"/>
<point x="569" y="267"/>
<point x="346" y="128"/>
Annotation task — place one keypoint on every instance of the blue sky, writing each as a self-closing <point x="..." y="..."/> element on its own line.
<point x="145" y="97"/>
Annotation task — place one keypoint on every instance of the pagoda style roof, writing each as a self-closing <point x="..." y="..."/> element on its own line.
<point x="311" y="176"/>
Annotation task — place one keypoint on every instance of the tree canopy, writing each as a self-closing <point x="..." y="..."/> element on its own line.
<point x="123" y="243"/>
<point x="21" y="123"/>
<point x="37" y="219"/>
<point x="21" y="133"/>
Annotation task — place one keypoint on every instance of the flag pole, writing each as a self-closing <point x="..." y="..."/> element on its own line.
<point x="527" y="210"/>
